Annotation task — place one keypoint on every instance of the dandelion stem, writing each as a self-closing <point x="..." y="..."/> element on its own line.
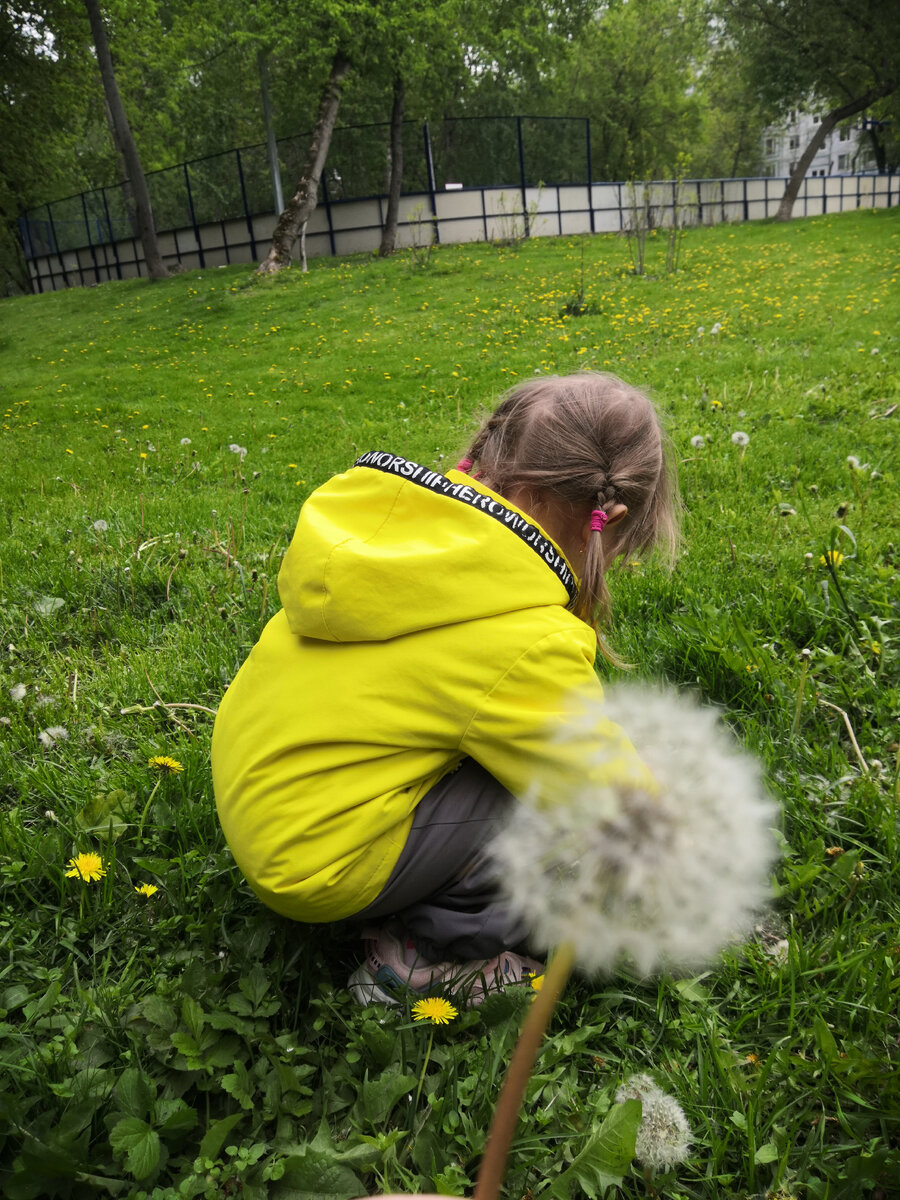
<point x="849" y="728"/>
<point x="803" y="673"/>
<point x="503" y="1126"/>
<point x="425" y="1065"/>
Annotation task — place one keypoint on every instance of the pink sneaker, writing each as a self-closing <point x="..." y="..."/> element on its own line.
<point x="393" y="967"/>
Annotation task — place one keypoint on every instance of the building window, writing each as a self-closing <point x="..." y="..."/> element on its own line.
<point x="843" y="162"/>
<point x="770" y="145"/>
<point x="793" y="143"/>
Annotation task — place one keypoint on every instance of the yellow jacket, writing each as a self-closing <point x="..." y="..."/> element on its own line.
<point x="424" y="620"/>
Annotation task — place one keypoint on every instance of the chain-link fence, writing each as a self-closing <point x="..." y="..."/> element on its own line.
<point x="474" y="151"/>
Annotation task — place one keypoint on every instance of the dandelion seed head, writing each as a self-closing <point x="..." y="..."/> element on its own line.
<point x="740" y="438"/>
<point x="853" y="462"/>
<point x="665" y="876"/>
<point x="17" y="692"/>
<point x="100" y="526"/>
<point x="698" y="441"/>
<point x="664" y="1137"/>
<point x="53" y="734"/>
<point x="185" y="441"/>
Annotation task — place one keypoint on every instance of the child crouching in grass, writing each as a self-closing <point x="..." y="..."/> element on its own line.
<point x="435" y="629"/>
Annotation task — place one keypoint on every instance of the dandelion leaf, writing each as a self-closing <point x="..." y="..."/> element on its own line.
<point x="377" y="1097"/>
<point x="107" y="812"/>
<point x="603" y="1161"/>
<point x="311" y="1174"/>
<point x="217" y="1135"/>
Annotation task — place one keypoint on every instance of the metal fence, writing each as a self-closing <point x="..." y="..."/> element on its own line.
<point x="464" y="179"/>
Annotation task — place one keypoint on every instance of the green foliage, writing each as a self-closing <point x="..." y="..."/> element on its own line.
<point x="187" y="1042"/>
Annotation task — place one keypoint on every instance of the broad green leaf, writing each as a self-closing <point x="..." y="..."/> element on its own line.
<point x="217" y="1135"/>
<point x="317" y="1175"/>
<point x="602" y="1163"/>
<point x="378" y="1096"/>
<point x="140" y="1145"/>
<point x="135" y="1093"/>
<point x="173" y="1117"/>
<point x="239" y="1085"/>
<point x="766" y="1153"/>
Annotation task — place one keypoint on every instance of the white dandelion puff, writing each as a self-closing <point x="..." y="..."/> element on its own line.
<point x="717" y="328"/>
<point x="740" y="438"/>
<point x="664" y="1137"/>
<point x="698" y="441"/>
<point x="185" y="441"/>
<point x="236" y="449"/>
<point x="663" y="875"/>
<point x="852" y="462"/>
<point x="17" y="692"/>
<point x="100" y="526"/>
<point x="50" y="736"/>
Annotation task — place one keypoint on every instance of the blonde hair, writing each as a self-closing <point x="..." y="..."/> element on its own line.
<point x="586" y="441"/>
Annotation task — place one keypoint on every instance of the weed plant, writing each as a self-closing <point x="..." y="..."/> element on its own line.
<point x="161" y="1034"/>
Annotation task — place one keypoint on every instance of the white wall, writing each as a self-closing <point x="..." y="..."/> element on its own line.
<point x="473" y="215"/>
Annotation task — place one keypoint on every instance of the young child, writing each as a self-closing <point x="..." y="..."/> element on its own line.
<point x="435" y="630"/>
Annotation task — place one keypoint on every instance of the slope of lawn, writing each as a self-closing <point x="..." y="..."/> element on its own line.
<point x="163" y="1035"/>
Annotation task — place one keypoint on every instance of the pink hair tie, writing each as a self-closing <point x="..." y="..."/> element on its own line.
<point x="598" y="520"/>
<point x="464" y="464"/>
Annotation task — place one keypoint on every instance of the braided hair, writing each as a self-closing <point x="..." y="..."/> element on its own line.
<point x="585" y="441"/>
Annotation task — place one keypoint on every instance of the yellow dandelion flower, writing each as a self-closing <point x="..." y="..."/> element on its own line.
<point x="537" y="982"/>
<point x="435" y="1009"/>
<point x="834" y="557"/>
<point x="86" y="867"/>
<point x="147" y="889"/>
<point x="162" y="762"/>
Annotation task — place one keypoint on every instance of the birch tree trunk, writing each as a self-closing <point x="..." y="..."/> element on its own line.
<point x="302" y="204"/>
<point x="125" y="144"/>
<point x="828" y="122"/>
<point x="389" y="233"/>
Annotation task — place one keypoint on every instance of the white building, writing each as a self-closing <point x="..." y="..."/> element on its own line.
<point x="845" y="151"/>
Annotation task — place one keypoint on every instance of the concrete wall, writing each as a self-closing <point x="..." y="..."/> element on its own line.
<point x="472" y="215"/>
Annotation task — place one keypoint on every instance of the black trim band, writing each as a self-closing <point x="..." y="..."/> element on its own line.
<point x="433" y="481"/>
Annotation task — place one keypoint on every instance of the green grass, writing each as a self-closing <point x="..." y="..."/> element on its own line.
<point x="190" y="1043"/>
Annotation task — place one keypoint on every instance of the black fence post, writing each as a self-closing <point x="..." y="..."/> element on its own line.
<point x="190" y="200"/>
<point x="112" y="236"/>
<point x="590" y="171"/>
<point x="246" y="206"/>
<point x="746" y="202"/>
<point x="522" y="177"/>
<point x="87" y="227"/>
<point x="432" y="182"/>
<point x="327" y="204"/>
<point x="59" y="254"/>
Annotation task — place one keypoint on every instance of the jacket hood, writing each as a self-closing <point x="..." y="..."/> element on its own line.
<point x="391" y="547"/>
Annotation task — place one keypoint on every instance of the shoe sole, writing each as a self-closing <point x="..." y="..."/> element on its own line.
<point x="365" y="990"/>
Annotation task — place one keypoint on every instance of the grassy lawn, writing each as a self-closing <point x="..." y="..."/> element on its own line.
<point x="157" y="444"/>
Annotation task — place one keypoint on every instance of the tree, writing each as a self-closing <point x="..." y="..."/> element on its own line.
<point x="125" y="142"/>
<point x="302" y="204"/>
<point x="831" y="53"/>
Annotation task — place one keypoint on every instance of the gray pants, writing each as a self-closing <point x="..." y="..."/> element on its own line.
<point x="444" y="889"/>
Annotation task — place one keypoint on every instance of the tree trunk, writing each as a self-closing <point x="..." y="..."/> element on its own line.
<point x="389" y="233"/>
<point x="786" y="207"/>
<point x="878" y="149"/>
<point x="156" y="268"/>
<point x="302" y="204"/>
<point x="262" y="63"/>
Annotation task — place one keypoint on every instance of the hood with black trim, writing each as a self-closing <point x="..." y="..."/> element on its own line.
<point x="391" y="547"/>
